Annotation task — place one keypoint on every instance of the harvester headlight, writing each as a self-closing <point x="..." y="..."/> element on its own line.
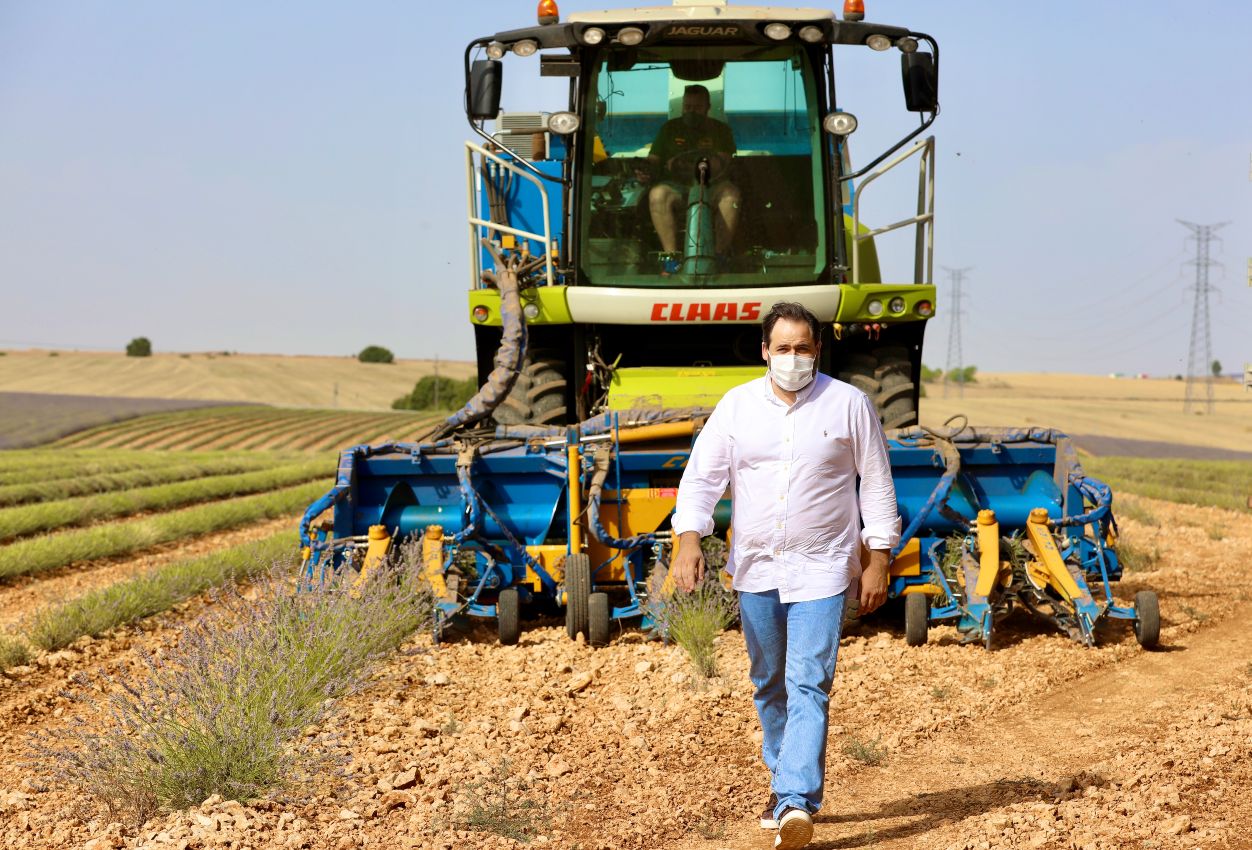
<point x="777" y="31"/>
<point x="877" y="41"/>
<point x="874" y="307"/>
<point x="907" y="45"/>
<point x="563" y="123"/>
<point x="526" y="47"/>
<point x="531" y="310"/>
<point x="593" y="35"/>
<point x="811" y="34"/>
<point x="630" y="36"/>
<point x="839" y="123"/>
<point x="495" y="50"/>
<point x="480" y="313"/>
<point x="896" y="305"/>
<point x="925" y="309"/>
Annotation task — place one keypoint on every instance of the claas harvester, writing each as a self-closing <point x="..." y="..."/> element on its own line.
<point x="601" y="348"/>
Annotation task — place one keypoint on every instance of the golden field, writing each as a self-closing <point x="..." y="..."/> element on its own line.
<point x="281" y="380"/>
<point x="1139" y="409"/>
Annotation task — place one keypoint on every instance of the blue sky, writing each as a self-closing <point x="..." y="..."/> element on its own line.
<point x="288" y="177"/>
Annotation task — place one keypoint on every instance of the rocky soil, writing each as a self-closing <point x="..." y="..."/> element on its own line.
<point x="1040" y="743"/>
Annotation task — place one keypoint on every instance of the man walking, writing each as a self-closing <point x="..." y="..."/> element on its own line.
<point x="791" y="446"/>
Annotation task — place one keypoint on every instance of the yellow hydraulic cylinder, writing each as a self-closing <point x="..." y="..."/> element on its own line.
<point x="988" y="552"/>
<point x="1049" y="556"/>
<point x="656" y="432"/>
<point x="432" y="559"/>
<point x="375" y="554"/>
<point x="574" y="473"/>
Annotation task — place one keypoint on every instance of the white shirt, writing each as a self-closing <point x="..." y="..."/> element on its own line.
<point x="796" y="520"/>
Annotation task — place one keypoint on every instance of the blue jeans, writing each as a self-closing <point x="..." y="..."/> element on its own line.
<point x="792" y="647"/>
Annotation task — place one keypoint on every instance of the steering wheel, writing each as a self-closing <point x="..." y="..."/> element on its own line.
<point x="683" y="164"/>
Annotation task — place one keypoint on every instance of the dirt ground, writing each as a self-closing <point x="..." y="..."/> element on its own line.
<point x="1148" y="409"/>
<point x="1041" y="743"/>
<point x="281" y="380"/>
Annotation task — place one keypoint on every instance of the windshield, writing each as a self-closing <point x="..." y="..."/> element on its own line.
<point x="703" y="169"/>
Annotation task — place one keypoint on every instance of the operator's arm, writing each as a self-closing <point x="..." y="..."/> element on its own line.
<point x="879" y="515"/>
<point x="703" y="483"/>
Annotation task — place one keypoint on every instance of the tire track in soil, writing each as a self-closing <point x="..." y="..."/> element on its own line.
<point x="22" y="595"/>
<point x="1022" y="755"/>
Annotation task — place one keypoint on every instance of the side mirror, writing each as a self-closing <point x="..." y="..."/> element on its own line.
<point x="486" y="78"/>
<point x="921" y="82"/>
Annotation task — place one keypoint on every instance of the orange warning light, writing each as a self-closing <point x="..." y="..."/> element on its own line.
<point x="854" y="10"/>
<point x="548" y="12"/>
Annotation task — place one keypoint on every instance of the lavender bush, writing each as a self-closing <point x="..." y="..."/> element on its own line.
<point x="225" y="712"/>
<point x="694" y="620"/>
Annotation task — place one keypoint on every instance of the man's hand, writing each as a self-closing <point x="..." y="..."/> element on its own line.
<point x="688" y="566"/>
<point x="874" y="582"/>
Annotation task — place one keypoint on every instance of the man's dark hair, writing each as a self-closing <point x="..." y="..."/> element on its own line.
<point x="793" y="311"/>
<point x="698" y="89"/>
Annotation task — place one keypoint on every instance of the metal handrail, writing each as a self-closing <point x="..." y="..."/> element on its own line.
<point x="924" y="221"/>
<point x="476" y="221"/>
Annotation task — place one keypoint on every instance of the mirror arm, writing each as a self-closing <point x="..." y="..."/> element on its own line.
<point x="477" y="126"/>
<point x="934" y="48"/>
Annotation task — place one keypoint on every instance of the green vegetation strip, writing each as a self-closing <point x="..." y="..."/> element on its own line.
<point x="98" y="611"/>
<point x="1210" y="483"/>
<point x="92" y="437"/>
<point x="87" y="484"/>
<point x="71" y="464"/>
<point x="48" y="516"/>
<point x="39" y="554"/>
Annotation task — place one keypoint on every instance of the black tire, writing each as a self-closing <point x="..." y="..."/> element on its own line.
<point x="508" y="622"/>
<point x="598" y="620"/>
<point x="916" y="618"/>
<point x="538" y="397"/>
<point x="577" y="595"/>
<point x="895" y="403"/>
<point x="1148" y="619"/>
<point x="862" y="379"/>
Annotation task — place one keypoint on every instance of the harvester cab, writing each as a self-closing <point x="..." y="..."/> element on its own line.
<point x="622" y="252"/>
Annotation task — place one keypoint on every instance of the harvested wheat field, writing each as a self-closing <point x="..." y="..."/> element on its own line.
<point x="1148" y="409"/>
<point x="1041" y="743"/>
<point x="281" y="380"/>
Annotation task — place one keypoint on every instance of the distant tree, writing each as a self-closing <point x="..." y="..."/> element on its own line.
<point x="1217" y="368"/>
<point x="929" y="374"/>
<point x="376" y="354"/>
<point x="140" y="346"/>
<point x="960" y="375"/>
<point x="440" y="393"/>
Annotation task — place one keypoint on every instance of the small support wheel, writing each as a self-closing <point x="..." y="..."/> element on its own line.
<point x="577" y="595"/>
<point x="916" y="618"/>
<point x="508" y="623"/>
<point x="1148" y="619"/>
<point x="598" y="619"/>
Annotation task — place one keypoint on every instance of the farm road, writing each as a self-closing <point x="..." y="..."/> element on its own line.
<point x="1050" y="747"/>
<point x="1102" y="446"/>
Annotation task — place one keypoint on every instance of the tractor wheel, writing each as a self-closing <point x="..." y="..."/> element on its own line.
<point x="916" y="618"/>
<point x="508" y="624"/>
<point x="538" y="397"/>
<point x="577" y="595"/>
<point x="895" y="401"/>
<point x="598" y="619"/>
<point x="1148" y="621"/>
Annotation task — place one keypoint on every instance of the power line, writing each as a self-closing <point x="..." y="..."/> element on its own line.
<point x="1200" y="352"/>
<point x="955" y="356"/>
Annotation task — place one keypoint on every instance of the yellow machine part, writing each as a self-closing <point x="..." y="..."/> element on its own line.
<point x="432" y="560"/>
<point x="988" y="553"/>
<point x="907" y="563"/>
<point x="551" y="558"/>
<point x="1049" y="562"/>
<point x="643" y="510"/>
<point x="375" y="554"/>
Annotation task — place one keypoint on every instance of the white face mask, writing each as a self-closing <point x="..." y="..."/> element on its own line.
<point x="791" y="372"/>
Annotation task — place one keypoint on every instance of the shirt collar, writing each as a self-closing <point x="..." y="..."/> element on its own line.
<point x="767" y="384"/>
